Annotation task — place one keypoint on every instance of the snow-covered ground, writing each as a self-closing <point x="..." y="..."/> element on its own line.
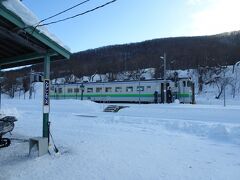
<point x="29" y="18"/>
<point x="153" y="141"/>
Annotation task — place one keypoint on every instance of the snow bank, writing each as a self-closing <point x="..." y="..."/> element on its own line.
<point x="220" y="132"/>
<point x="211" y="122"/>
<point x="29" y="18"/>
<point x="226" y="133"/>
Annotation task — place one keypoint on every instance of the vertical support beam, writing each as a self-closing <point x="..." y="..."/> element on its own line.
<point x="193" y="93"/>
<point x="46" y="100"/>
<point x="165" y="76"/>
<point x="0" y="89"/>
<point x="0" y="94"/>
<point x="224" y="90"/>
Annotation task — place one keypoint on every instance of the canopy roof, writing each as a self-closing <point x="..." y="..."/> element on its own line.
<point x="21" y="44"/>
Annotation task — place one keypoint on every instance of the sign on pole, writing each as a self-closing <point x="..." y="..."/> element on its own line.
<point x="46" y="91"/>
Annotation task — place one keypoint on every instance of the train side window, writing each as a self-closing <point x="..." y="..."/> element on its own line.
<point x="184" y="83"/>
<point x="60" y="90"/>
<point x="148" y="88"/>
<point x="129" y="89"/>
<point x="98" y="89"/>
<point x="188" y="83"/>
<point x="118" y="89"/>
<point x="108" y="89"/>
<point x="76" y="90"/>
<point x="89" y="90"/>
<point x="140" y="88"/>
<point x="69" y="90"/>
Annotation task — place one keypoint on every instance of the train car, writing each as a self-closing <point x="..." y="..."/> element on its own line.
<point x="125" y="91"/>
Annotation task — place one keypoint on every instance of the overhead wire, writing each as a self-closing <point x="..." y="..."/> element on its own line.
<point x="66" y="10"/>
<point x="79" y="4"/>
<point x="80" y="14"/>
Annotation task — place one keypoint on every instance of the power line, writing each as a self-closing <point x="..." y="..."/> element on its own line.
<point x="80" y="14"/>
<point x="81" y="3"/>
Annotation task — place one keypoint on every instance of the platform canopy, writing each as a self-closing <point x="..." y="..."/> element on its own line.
<point x="21" y="43"/>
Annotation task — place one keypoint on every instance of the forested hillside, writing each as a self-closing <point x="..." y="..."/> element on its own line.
<point x="182" y="53"/>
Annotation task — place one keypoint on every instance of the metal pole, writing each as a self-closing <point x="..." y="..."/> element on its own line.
<point x="0" y="96"/>
<point x="164" y="84"/>
<point x="46" y="99"/>
<point x="139" y="100"/>
<point x="0" y="91"/>
<point x="30" y="85"/>
<point x="82" y="89"/>
<point x="224" y="90"/>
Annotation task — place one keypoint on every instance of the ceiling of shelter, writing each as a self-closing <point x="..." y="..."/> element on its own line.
<point x="19" y="46"/>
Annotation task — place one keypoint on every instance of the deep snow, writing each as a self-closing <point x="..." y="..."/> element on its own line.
<point x="29" y="18"/>
<point x="153" y="141"/>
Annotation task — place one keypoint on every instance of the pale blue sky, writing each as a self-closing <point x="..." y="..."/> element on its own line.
<point x="127" y="21"/>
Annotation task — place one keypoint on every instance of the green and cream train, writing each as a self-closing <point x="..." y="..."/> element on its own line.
<point x="143" y="91"/>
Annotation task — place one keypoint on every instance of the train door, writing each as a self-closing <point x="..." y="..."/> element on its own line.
<point x="183" y="94"/>
<point x="186" y="91"/>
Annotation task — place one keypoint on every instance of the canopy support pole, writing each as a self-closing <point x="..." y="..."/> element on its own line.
<point x="46" y="99"/>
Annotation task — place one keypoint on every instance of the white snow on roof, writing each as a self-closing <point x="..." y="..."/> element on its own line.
<point x="29" y="18"/>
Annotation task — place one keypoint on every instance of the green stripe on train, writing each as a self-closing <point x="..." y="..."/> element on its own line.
<point x="109" y="95"/>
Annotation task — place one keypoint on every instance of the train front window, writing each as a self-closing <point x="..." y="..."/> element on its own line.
<point x="188" y="83"/>
<point x="108" y="89"/>
<point x="118" y="89"/>
<point x="140" y="88"/>
<point x="129" y="89"/>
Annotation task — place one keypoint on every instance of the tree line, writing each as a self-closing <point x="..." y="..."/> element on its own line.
<point x="182" y="53"/>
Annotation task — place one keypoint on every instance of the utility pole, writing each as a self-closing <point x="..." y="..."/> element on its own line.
<point x="139" y="89"/>
<point x="30" y="83"/>
<point x="0" y="95"/>
<point x="224" y="90"/>
<point x="125" y="63"/>
<point x="164" y="77"/>
<point x="1" y="78"/>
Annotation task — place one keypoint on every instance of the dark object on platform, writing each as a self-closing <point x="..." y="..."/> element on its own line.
<point x="6" y="125"/>
<point x="114" y="108"/>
